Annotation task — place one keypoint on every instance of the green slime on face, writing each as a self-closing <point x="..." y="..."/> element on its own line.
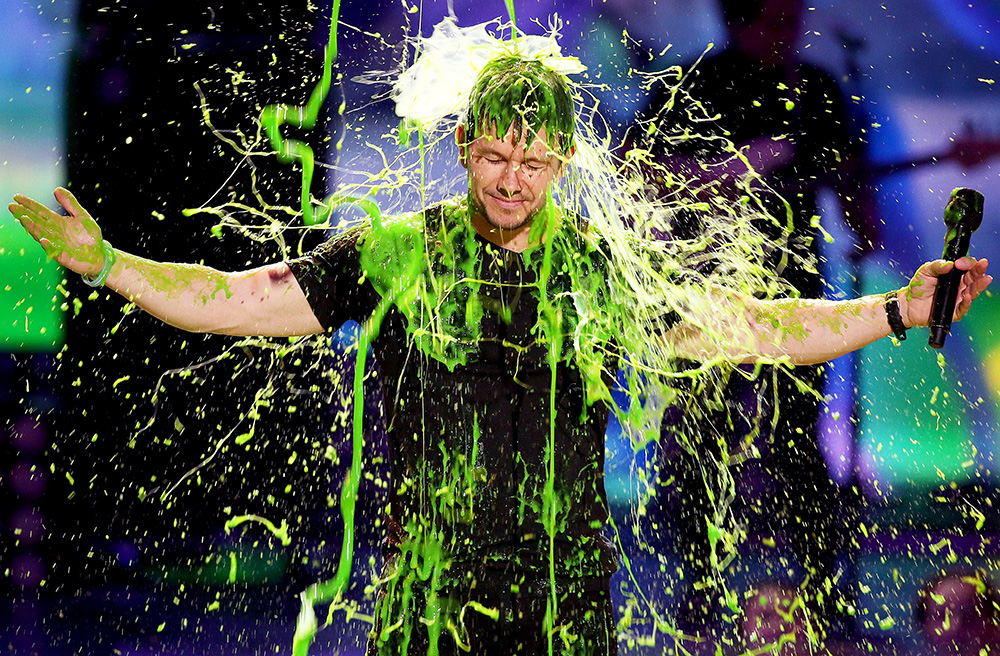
<point x="522" y="96"/>
<point x="426" y="271"/>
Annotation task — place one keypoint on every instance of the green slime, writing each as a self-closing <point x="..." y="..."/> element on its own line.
<point x="273" y="117"/>
<point x="427" y="273"/>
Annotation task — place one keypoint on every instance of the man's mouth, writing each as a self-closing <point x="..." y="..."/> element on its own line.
<point x="509" y="203"/>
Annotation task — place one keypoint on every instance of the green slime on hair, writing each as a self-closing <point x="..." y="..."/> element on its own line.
<point x="427" y="272"/>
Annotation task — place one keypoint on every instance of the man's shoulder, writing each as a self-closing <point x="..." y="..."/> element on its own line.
<point x="395" y="248"/>
<point x="397" y="229"/>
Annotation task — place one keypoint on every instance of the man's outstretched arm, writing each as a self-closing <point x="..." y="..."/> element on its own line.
<point x="741" y="329"/>
<point x="266" y="301"/>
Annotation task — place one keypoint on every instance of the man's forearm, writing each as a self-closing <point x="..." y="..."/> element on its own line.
<point x="814" y="331"/>
<point x="808" y="332"/>
<point x="738" y="328"/>
<point x="189" y="296"/>
<point x="728" y="325"/>
<point x="201" y="299"/>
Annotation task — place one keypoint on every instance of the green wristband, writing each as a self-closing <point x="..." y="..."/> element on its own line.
<point x="109" y="261"/>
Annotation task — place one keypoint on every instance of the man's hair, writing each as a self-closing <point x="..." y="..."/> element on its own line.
<point x="523" y="95"/>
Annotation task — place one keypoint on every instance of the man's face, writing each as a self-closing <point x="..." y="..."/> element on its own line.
<point x="509" y="179"/>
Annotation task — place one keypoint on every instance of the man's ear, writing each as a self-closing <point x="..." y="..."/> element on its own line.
<point x="463" y="149"/>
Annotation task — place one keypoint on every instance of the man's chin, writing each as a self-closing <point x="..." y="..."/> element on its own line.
<point x="500" y="220"/>
<point x="507" y="223"/>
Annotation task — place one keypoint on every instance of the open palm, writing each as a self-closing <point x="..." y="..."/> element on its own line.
<point x="73" y="240"/>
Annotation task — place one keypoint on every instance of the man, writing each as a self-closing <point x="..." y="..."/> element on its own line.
<point x="486" y="319"/>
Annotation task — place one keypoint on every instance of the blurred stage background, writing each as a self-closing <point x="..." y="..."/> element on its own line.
<point x="102" y="98"/>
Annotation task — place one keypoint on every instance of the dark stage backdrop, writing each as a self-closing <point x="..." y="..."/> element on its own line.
<point x="102" y="97"/>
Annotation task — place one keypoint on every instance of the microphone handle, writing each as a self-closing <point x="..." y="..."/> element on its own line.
<point x="944" y="307"/>
<point x="946" y="292"/>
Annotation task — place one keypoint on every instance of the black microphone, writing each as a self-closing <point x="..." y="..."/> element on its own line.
<point x="962" y="215"/>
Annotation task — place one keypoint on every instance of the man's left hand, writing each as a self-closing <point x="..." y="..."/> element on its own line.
<point x="917" y="298"/>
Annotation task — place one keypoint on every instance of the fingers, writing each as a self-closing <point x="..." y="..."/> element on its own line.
<point x="30" y="226"/>
<point x="26" y="217"/>
<point x="929" y="272"/>
<point x="935" y="268"/>
<point x="45" y="226"/>
<point x="31" y="205"/>
<point x="50" y="249"/>
<point x="34" y="230"/>
<point x="974" y="282"/>
<point x="967" y="263"/>
<point x="16" y="210"/>
<point x="69" y="201"/>
<point x="978" y="286"/>
<point x="975" y="273"/>
<point x="24" y="208"/>
<point x="62" y="195"/>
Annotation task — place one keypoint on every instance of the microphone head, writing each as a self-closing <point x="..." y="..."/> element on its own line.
<point x="965" y="207"/>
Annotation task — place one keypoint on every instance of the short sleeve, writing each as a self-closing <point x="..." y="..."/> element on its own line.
<point x="331" y="278"/>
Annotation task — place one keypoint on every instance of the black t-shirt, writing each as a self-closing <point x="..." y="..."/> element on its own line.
<point x="469" y="443"/>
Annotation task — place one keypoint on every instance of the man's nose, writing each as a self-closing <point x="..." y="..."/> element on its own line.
<point x="510" y="179"/>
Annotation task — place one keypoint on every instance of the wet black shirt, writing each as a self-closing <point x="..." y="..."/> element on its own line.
<point x="469" y="445"/>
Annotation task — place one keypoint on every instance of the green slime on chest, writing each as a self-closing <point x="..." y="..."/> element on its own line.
<point x="425" y="266"/>
<point x="426" y="270"/>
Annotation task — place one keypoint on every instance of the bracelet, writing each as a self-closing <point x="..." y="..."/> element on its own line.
<point x="109" y="261"/>
<point x="892" y="314"/>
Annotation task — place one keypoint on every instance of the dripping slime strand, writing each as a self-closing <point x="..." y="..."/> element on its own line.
<point x="272" y="117"/>
<point x="513" y="19"/>
<point x="332" y="591"/>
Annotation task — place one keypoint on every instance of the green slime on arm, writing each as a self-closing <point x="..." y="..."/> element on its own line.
<point x="426" y="271"/>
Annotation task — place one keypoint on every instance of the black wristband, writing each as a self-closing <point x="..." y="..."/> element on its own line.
<point x="892" y="314"/>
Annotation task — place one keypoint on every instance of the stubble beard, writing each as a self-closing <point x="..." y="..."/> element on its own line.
<point x="480" y="208"/>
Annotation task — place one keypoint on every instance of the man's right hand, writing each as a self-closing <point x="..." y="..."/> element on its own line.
<point x="73" y="240"/>
<point x="266" y="301"/>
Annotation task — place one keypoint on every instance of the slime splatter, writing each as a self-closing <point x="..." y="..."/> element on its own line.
<point x="603" y="287"/>
<point x="608" y="292"/>
<point x="275" y="116"/>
